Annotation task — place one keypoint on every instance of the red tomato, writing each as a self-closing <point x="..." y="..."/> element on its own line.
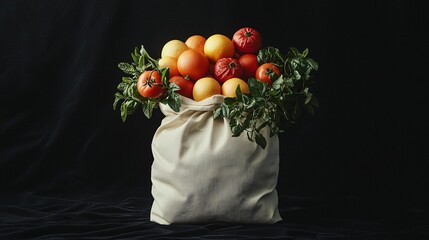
<point x="226" y="68"/>
<point x="263" y="72"/>
<point x="186" y="86"/>
<point x="249" y="63"/>
<point x="247" y="40"/>
<point x="149" y="84"/>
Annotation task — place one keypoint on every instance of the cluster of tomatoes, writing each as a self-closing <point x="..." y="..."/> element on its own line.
<point x="203" y="67"/>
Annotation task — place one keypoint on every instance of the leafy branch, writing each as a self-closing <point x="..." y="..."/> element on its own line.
<point x="129" y="97"/>
<point x="267" y="106"/>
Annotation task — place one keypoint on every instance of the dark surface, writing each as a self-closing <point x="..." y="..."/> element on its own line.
<point x="70" y="169"/>
<point x="126" y="216"/>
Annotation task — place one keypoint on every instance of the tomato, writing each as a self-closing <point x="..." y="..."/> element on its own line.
<point x="249" y="63"/>
<point x="226" y="68"/>
<point x="263" y="72"/>
<point x="186" y="86"/>
<point x="229" y="87"/>
<point x="149" y="84"/>
<point x="193" y="64"/>
<point x="206" y="87"/>
<point x="218" y="46"/>
<point x="247" y="40"/>
<point x="173" y="48"/>
<point x="171" y="63"/>
<point x="196" y="42"/>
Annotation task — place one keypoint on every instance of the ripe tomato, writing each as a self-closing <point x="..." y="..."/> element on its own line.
<point x="205" y="88"/>
<point x="265" y="70"/>
<point x="173" y="48"/>
<point x="196" y="42"/>
<point x="193" y="64"/>
<point x="218" y="46"/>
<point x="247" y="40"/>
<point x="229" y="87"/>
<point x="249" y="63"/>
<point x="171" y="63"/>
<point x="226" y="68"/>
<point x="186" y="86"/>
<point x="149" y="84"/>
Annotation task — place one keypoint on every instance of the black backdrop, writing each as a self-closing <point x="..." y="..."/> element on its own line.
<point x="361" y="154"/>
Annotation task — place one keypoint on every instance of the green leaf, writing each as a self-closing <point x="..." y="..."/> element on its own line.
<point x="289" y="82"/>
<point x="174" y="87"/>
<point x="277" y="84"/>
<point x="238" y="92"/>
<point x="256" y="87"/>
<point x="217" y="113"/>
<point x="136" y="51"/>
<point x="304" y="53"/>
<point x="270" y="55"/>
<point x="152" y="63"/>
<point x="264" y="124"/>
<point x="141" y="62"/>
<point x="260" y="140"/>
<point x="135" y="58"/>
<point x="174" y="102"/>
<point x="314" y="65"/>
<point x="296" y="75"/>
<point x="137" y="97"/>
<point x="236" y="130"/>
<point x="118" y="97"/>
<point x="148" y="107"/>
<point x="165" y="76"/>
<point x="229" y="101"/>
<point x="124" y="111"/>
<point x="127" y="68"/>
<point x="122" y="86"/>
<point x="308" y="98"/>
<point x="225" y="110"/>
<point x="127" y="80"/>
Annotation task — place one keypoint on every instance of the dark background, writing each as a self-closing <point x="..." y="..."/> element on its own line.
<point x="361" y="156"/>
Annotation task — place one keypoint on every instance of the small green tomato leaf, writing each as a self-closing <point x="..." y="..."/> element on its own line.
<point x="260" y="140"/>
<point x="127" y="68"/>
<point x="174" y="102"/>
<point x="148" y="107"/>
<point x="217" y="113"/>
<point x="225" y="110"/>
<point x="256" y="87"/>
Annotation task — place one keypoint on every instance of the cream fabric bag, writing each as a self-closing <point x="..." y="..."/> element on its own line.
<point x="202" y="174"/>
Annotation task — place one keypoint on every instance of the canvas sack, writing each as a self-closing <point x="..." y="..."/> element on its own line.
<point x="202" y="174"/>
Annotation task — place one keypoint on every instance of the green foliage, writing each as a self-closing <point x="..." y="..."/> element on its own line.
<point x="128" y="96"/>
<point x="267" y="106"/>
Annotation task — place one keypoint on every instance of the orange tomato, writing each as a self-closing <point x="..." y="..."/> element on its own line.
<point x="171" y="63"/>
<point x="205" y="88"/>
<point x="229" y="87"/>
<point x="193" y="64"/>
<point x="196" y="42"/>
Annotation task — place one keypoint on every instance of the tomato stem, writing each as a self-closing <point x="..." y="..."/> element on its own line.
<point x="248" y="34"/>
<point x="232" y="65"/>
